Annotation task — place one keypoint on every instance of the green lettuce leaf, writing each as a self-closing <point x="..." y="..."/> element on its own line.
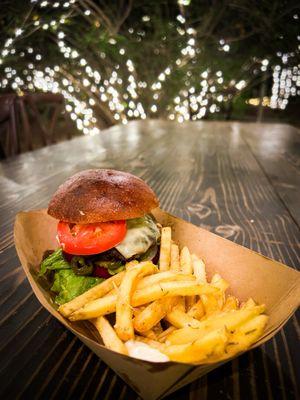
<point x="55" y="261"/>
<point x="68" y="285"/>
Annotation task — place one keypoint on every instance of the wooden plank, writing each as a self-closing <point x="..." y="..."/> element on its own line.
<point x="277" y="150"/>
<point x="213" y="174"/>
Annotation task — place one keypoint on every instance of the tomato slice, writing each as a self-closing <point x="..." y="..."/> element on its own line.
<point x="90" y="238"/>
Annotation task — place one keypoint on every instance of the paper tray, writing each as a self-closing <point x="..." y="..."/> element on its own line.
<point x="248" y="273"/>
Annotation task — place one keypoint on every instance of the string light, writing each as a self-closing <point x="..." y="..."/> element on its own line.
<point x="286" y="82"/>
<point x="121" y="91"/>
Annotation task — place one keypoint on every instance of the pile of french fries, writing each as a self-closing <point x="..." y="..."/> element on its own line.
<point x="172" y="308"/>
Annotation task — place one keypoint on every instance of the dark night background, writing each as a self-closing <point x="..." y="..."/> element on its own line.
<point x="179" y="60"/>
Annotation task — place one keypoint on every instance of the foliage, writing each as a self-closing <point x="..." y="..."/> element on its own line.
<point x="119" y="60"/>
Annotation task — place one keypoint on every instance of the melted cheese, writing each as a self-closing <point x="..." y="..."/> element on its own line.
<point x="141" y="234"/>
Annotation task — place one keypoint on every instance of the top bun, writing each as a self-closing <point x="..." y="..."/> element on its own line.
<point x="99" y="195"/>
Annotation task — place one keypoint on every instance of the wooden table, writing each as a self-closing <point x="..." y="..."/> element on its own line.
<point x="238" y="180"/>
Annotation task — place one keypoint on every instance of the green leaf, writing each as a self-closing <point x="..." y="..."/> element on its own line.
<point x="67" y="285"/>
<point x="55" y="261"/>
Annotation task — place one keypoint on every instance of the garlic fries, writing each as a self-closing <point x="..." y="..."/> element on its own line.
<point x="173" y="308"/>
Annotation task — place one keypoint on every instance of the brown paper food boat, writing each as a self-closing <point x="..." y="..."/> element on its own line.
<point x="248" y="273"/>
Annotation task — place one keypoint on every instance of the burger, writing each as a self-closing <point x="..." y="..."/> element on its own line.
<point x="104" y="221"/>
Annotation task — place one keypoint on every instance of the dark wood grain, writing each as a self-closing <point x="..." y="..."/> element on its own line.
<point x="277" y="150"/>
<point x="240" y="181"/>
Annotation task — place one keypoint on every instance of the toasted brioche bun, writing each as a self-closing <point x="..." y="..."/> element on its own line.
<point x="99" y="195"/>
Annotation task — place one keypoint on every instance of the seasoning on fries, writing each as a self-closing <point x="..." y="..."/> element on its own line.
<point x="146" y="299"/>
<point x="213" y="329"/>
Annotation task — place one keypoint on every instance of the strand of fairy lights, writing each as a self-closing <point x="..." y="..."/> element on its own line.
<point x="286" y="81"/>
<point x="121" y="94"/>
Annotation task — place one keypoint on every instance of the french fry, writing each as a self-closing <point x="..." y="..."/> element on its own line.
<point x="94" y="293"/>
<point x="165" y="249"/>
<point x="231" y="320"/>
<point x="197" y="310"/>
<point x="157" y="329"/>
<point x="211" y="303"/>
<point x="150" y="334"/>
<point x="199" y="269"/>
<point x="107" y="305"/>
<point x="137" y="310"/>
<point x="131" y="264"/>
<point x="231" y="303"/>
<point x="220" y="283"/>
<point x="187" y="268"/>
<point x="244" y="337"/>
<point x="185" y="261"/>
<point x="205" y="325"/>
<point x="248" y="304"/>
<point x="180" y="304"/>
<point x="163" y="277"/>
<point x="153" y="313"/>
<point x="213" y="343"/>
<point x="175" y="265"/>
<point x="109" y="336"/>
<point x="180" y="319"/>
<point x="96" y="308"/>
<point x="246" y="333"/>
<point x="166" y="333"/>
<point x="114" y="291"/>
<point x="153" y="343"/>
<point x="124" y="312"/>
<point x="189" y="302"/>
<point x="169" y="289"/>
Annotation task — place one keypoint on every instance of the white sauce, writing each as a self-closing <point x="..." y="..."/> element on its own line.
<point x="144" y="352"/>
